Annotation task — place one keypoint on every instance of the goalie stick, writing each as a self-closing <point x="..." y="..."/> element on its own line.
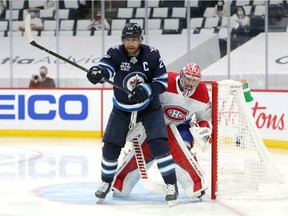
<point x="33" y="43"/>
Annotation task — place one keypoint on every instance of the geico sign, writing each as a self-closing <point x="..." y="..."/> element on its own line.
<point x="44" y="107"/>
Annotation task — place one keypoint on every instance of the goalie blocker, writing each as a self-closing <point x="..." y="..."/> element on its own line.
<point x="188" y="171"/>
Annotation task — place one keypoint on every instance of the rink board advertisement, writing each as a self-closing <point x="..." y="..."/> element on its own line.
<point x="53" y="110"/>
<point x="85" y="112"/>
<point x="269" y="109"/>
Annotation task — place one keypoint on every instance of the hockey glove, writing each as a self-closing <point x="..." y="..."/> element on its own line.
<point x="139" y="94"/>
<point x="201" y="132"/>
<point x="96" y="73"/>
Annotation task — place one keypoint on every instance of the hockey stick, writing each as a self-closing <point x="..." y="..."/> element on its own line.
<point x="33" y="43"/>
<point x="137" y="137"/>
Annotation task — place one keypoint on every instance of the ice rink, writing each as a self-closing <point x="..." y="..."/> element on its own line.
<point x="59" y="176"/>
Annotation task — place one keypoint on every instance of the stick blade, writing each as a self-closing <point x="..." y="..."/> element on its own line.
<point x="28" y="28"/>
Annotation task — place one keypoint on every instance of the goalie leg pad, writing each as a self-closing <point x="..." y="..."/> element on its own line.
<point x="127" y="174"/>
<point x="192" y="190"/>
<point x="189" y="173"/>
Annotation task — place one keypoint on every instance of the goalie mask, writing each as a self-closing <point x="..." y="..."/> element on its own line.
<point x="190" y="76"/>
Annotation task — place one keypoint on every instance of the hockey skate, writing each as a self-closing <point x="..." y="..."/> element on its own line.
<point x="102" y="191"/>
<point x="172" y="194"/>
<point x="202" y="193"/>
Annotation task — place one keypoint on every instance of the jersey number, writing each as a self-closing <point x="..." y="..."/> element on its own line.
<point x="161" y="63"/>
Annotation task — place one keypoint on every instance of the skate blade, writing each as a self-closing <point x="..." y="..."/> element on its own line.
<point x="201" y="194"/>
<point x="100" y="200"/>
<point x="172" y="203"/>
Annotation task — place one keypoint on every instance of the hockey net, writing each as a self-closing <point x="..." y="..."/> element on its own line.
<point x="241" y="164"/>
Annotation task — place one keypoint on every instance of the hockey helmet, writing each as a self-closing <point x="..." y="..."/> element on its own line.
<point x="131" y="30"/>
<point x="190" y="76"/>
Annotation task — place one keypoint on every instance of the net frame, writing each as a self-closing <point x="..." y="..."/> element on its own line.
<point x="263" y="179"/>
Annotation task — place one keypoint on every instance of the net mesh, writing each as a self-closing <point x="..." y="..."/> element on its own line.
<point x="244" y="167"/>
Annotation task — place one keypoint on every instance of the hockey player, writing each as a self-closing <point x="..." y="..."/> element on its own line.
<point x="185" y="98"/>
<point x="139" y="68"/>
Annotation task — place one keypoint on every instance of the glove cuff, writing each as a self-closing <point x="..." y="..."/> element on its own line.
<point x="147" y="88"/>
<point x="105" y="73"/>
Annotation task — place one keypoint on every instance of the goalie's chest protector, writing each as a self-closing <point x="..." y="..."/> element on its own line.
<point x="177" y="108"/>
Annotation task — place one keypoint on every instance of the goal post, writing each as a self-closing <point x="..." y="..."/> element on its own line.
<point x="215" y="138"/>
<point x="240" y="162"/>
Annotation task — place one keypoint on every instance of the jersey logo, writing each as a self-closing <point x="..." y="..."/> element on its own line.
<point x="125" y="66"/>
<point x="133" y="78"/>
<point x="133" y="60"/>
<point x="175" y="113"/>
<point x="152" y="49"/>
<point x="133" y="81"/>
<point x="116" y="47"/>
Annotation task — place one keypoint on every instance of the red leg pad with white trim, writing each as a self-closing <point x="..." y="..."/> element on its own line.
<point x="189" y="172"/>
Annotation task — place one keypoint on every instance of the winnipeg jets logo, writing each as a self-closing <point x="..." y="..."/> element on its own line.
<point x="125" y="66"/>
<point x="175" y="113"/>
<point x="133" y="79"/>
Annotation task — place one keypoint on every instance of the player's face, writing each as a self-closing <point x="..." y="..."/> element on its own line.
<point x="132" y="45"/>
<point x="189" y="83"/>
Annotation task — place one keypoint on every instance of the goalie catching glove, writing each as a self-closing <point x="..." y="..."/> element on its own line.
<point x="96" y="73"/>
<point x="201" y="132"/>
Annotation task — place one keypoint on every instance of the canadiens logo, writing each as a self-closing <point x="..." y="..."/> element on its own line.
<point x="133" y="78"/>
<point x="175" y="113"/>
<point x="125" y="66"/>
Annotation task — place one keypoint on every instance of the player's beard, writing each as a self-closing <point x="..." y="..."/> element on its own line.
<point x="132" y="50"/>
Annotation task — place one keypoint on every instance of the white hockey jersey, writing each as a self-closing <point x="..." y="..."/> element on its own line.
<point x="178" y="109"/>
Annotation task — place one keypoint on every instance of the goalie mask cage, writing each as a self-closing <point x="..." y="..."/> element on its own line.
<point x="241" y="164"/>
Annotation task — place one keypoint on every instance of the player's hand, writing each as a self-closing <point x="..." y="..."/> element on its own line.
<point x="138" y="95"/>
<point x="96" y="73"/>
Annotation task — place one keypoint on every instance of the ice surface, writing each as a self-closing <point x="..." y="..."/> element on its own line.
<point x="59" y="176"/>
